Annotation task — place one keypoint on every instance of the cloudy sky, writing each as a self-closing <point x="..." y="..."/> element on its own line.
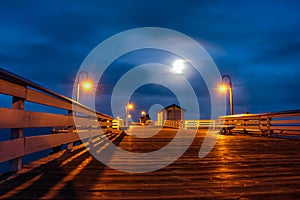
<point x="256" y="42"/>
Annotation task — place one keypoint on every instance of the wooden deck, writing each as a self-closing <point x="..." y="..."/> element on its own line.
<point x="239" y="167"/>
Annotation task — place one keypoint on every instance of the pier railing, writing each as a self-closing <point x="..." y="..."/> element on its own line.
<point x="198" y="124"/>
<point x="281" y="123"/>
<point x="17" y="118"/>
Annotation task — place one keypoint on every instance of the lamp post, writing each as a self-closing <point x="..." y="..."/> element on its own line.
<point x="223" y="88"/>
<point x="86" y="84"/>
<point x="129" y="106"/>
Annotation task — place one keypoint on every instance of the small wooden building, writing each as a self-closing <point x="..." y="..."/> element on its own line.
<point x="171" y="115"/>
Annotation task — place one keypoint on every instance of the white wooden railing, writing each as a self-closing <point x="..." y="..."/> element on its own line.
<point x="17" y="118"/>
<point x="197" y="124"/>
<point x="283" y="123"/>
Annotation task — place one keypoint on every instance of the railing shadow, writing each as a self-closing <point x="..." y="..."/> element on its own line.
<point x="60" y="178"/>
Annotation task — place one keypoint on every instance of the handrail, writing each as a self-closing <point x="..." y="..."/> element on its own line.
<point x="17" y="118"/>
<point x="6" y="75"/>
<point x="282" y="122"/>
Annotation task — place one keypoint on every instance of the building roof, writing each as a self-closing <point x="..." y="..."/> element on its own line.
<point x="171" y="107"/>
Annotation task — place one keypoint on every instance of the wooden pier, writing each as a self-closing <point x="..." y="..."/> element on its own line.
<point x="238" y="167"/>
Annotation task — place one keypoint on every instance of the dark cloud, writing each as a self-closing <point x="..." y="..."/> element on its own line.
<point x="257" y="43"/>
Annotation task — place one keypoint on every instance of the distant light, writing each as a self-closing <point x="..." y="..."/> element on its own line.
<point x="130" y="106"/>
<point x="87" y="85"/>
<point x="222" y="88"/>
<point x="178" y="66"/>
<point x="143" y="113"/>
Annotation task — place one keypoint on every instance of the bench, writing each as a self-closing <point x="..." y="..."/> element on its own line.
<point x="226" y="129"/>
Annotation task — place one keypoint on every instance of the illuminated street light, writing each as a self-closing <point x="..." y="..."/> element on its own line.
<point x="223" y="88"/>
<point x="82" y="82"/>
<point x="129" y="106"/>
<point x="143" y="113"/>
<point x="87" y="85"/>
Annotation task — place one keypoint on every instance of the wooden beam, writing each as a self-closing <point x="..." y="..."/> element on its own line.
<point x="291" y="121"/>
<point x="12" y="89"/>
<point x="14" y="118"/>
<point x="11" y="149"/>
<point x="41" y="98"/>
<point x="42" y="142"/>
<point x="290" y="128"/>
<point x="15" y="164"/>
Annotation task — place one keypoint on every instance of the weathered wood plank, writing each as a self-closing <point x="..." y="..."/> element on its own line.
<point x="14" y="118"/>
<point x="44" y="99"/>
<point x="12" y="89"/>
<point x="291" y="128"/>
<point x="290" y="121"/>
<point x="38" y="143"/>
<point x="11" y="149"/>
<point x="24" y="146"/>
<point x="238" y="167"/>
<point x="294" y="114"/>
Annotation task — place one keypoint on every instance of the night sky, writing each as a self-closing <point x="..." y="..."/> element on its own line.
<point x="256" y="42"/>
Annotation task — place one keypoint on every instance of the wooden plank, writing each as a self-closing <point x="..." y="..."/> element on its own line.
<point x="12" y="89"/>
<point x="85" y="121"/>
<point x="42" y="142"/>
<point x="105" y="124"/>
<point x="295" y="128"/>
<point x="263" y="122"/>
<point x="24" y="146"/>
<point x="14" y="118"/>
<point x="251" y="122"/>
<point x="297" y="114"/>
<point x="82" y="110"/>
<point x="11" y="149"/>
<point x="103" y="116"/>
<point x="291" y="121"/>
<point x="238" y="167"/>
<point x="89" y="112"/>
<point x="41" y="98"/>
<point x="252" y="127"/>
<point x="288" y="132"/>
<point x="16" y="163"/>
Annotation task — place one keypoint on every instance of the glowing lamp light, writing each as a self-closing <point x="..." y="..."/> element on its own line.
<point x="178" y="66"/>
<point x="87" y="85"/>
<point x="130" y="106"/>
<point x="222" y="88"/>
<point x="143" y="113"/>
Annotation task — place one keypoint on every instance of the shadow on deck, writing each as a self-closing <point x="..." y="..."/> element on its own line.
<point x="239" y="166"/>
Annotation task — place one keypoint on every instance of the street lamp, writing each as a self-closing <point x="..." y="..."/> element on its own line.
<point x="82" y="82"/>
<point x="223" y="87"/>
<point x="129" y="106"/>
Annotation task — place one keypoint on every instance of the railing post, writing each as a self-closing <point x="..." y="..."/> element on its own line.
<point x="268" y="125"/>
<point x="70" y="130"/>
<point x="16" y="163"/>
